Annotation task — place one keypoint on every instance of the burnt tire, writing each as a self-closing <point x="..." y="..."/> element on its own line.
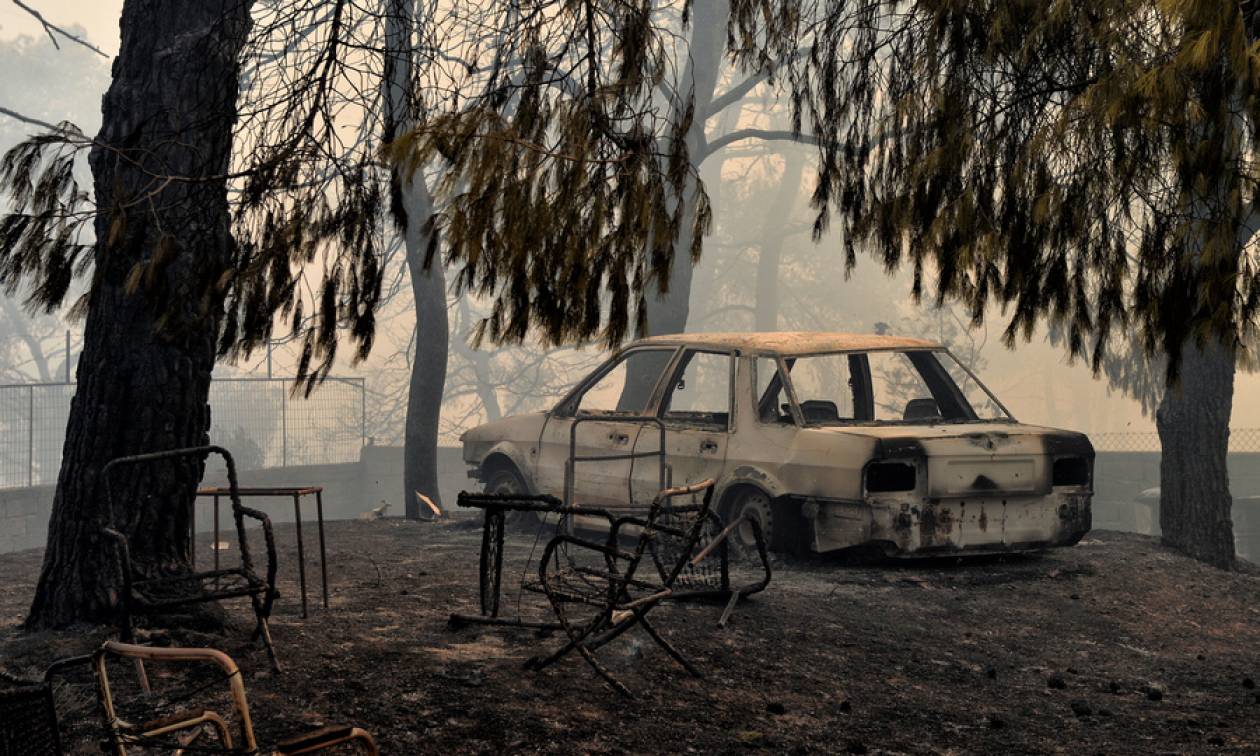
<point x="752" y="504"/>
<point x="505" y="480"/>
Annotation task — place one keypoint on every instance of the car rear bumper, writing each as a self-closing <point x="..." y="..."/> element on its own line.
<point x="908" y="526"/>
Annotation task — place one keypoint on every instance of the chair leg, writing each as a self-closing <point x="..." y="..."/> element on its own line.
<point x="536" y="663"/>
<point x="604" y="673"/>
<point x="577" y="640"/>
<point x="669" y="648"/>
<point x="263" y="630"/>
<point x="127" y="634"/>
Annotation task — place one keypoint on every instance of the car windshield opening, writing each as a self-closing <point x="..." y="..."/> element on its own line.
<point x="889" y="387"/>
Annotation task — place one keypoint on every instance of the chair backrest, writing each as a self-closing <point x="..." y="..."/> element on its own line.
<point x="202" y="452"/>
<point x="673" y="532"/>
<point x="229" y="674"/>
<point x="28" y="719"/>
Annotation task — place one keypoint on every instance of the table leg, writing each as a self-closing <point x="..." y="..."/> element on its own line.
<point x="297" y="518"/>
<point x="192" y="534"/>
<point x="323" y="554"/>
<point x="216" y="532"/>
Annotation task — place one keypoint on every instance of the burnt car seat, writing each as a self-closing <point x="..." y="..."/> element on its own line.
<point x="820" y="411"/>
<point x="922" y="409"/>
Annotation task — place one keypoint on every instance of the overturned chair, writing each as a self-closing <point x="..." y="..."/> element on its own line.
<point x="183" y="731"/>
<point x="147" y="594"/>
<point x="680" y="552"/>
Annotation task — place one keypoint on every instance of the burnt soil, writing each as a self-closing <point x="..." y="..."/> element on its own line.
<point x="1115" y="646"/>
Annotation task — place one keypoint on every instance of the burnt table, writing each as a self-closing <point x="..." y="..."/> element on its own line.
<point x="296" y="493"/>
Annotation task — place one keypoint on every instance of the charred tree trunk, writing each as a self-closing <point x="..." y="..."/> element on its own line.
<point x="412" y="210"/>
<point x="1193" y="423"/>
<point x="154" y="312"/>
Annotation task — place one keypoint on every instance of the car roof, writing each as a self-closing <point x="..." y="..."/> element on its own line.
<point x="789" y="342"/>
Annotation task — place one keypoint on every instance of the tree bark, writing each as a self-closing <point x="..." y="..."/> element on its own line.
<point x="412" y="209"/>
<point x="428" y="369"/>
<point x="1193" y="423"/>
<point x="149" y="348"/>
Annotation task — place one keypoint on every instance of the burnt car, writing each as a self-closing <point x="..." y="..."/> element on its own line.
<point x="829" y="440"/>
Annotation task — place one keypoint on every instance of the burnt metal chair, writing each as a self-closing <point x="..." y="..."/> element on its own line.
<point x="680" y="541"/>
<point x="122" y="735"/>
<point x="146" y="594"/>
<point x="497" y="508"/>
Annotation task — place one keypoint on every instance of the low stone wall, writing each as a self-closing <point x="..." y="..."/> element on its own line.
<point x="349" y="490"/>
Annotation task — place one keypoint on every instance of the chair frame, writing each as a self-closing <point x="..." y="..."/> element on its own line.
<point x="123" y="734"/>
<point x="261" y="592"/>
<point x="619" y="610"/>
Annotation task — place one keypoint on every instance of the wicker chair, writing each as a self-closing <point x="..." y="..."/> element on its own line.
<point x="28" y="720"/>
<point x="159" y="733"/>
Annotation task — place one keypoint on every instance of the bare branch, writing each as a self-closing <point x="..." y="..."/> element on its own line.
<point x="27" y="119"/>
<point x="782" y="135"/>
<point x="50" y="28"/>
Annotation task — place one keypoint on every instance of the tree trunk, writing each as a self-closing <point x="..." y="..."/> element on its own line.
<point x="144" y="372"/>
<point x="412" y="210"/>
<point x="1193" y="422"/>
<point x="428" y="369"/>
<point x="667" y="311"/>
<point x="766" y="316"/>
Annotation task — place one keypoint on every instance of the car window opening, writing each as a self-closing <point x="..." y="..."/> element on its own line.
<point x="879" y="388"/>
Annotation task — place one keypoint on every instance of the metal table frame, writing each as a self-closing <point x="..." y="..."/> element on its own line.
<point x="294" y="492"/>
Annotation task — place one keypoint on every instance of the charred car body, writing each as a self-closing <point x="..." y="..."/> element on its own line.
<point x="829" y="440"/>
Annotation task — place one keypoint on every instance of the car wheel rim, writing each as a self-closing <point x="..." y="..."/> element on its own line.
<point x="757" y="508"/>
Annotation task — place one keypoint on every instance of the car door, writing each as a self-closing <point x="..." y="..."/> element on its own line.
<point x="597" y="425"/>
<point x="696" y="409"/>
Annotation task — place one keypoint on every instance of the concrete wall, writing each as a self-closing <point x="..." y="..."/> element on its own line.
<point x="349" y="490"/>
<point x="24" y="517"/>
<point x="1121" y="477"/>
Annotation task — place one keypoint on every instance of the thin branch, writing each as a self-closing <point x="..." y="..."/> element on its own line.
<point x="27" y="119"/>
<point x="50" y="27"/>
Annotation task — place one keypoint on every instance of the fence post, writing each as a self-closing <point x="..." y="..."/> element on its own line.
<point x="284" y="426"/>
<point x="362" y="415"/>
<point x="30" y="436"/>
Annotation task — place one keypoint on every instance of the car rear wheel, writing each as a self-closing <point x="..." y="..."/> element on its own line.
<point x="750" y="504"/>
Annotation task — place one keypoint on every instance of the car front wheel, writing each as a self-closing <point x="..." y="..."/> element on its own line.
<point x="504" y="481"/>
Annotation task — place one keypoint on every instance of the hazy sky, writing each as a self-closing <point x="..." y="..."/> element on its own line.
<point x="1034" y="380"/>
<point x="98" y="17"/>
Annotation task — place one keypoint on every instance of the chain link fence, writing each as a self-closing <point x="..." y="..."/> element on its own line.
<point x="1240" y="440"/>
<point x="254" y="418"/>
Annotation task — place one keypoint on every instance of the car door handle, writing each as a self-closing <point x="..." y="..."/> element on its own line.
<point x="709" y="445"/>
<point x="619" y="438"/>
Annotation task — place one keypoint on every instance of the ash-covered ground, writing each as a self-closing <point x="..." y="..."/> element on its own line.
<point x="1115" y="646"/>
